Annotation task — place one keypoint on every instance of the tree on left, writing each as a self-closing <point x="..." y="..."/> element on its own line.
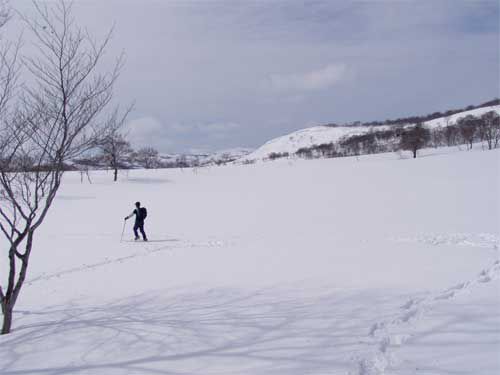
<point x="58" y="112"/>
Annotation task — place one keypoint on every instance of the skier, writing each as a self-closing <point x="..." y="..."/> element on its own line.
<point x="140" y="215"/>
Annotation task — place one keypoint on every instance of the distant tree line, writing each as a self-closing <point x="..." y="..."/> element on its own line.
<point x="419" y="119"/>
<point x="465" y="131"/>
<point x="116" y="153"/>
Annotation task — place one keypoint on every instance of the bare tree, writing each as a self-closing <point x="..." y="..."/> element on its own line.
<point x="85" y="172"/>
<point x="59" y="116"/>
<point x="414" y="139"/>
<point x="114" y="149"/>
<point x="9" y="67"/>
<point x="468" y="126"/>
<point x="114" y="146"/>
<point x="182" y="162"/>
<point x="489" y="129"/>
<point x="450" y="132"/>
<point x="148" y="157"/>
<point x="437" y="137"/>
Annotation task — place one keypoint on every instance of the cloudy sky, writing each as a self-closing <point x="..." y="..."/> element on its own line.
<point x="211" y="75"/>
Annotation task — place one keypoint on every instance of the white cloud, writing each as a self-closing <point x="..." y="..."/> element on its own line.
<point x="314" y="80"/>
<point x="143" y="127"/>
<point x="272" y="66"/>
<point x="205" y="128"/>
<point x="146" y="131"/>
<point x="150" y="131"/>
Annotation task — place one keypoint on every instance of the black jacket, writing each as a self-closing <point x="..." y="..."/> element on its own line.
<point x="140" y="214"/>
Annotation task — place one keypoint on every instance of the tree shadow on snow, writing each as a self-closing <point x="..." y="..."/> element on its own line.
<point x="271" y="331"/>
<point x="199" y="331"/>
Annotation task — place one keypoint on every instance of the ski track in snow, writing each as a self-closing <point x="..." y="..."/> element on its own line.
<point x="393" y="333"/>
<point x="146" y="251"/>
<point x="387" y="334"/>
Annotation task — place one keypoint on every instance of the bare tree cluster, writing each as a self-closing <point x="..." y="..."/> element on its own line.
<point x="116" y="152"/>
<point x="148" y="157"/>
<point x="57" y="115"/>
<point x="414" y="138"/>
<point x="466" y="130"/>
<point x="469" y="130"/>
<point x="278" y="155"/>
<point x="114" y="146"/>
<point x="403" y="121"/>
<point x="489" y="129"/>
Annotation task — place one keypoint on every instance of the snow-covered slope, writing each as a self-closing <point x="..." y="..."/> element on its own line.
<point x="326" y="134"/>
<point x="203" y="159"/>
<point x="225" y="156"/>
<point x="450" y="120"/>
<point x="305" y="138"/>
<point x="361" y="266"/>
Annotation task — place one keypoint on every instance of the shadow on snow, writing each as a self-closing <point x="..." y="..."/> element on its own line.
<point x="272" y="331"/>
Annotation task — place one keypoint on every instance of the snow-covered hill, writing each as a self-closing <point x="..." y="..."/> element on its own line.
<point x="204" y="159"/>
<point x="291" y="143"/>
<point x="134" y="161"/>
<point x="450" y="120"/>
<point x="362" y="266"/>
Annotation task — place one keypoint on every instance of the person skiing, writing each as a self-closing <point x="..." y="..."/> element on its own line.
<point x="140" y="215"/>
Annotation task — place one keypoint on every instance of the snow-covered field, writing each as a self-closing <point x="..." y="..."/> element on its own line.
<point x="360" y="266"/>
<point x="317" y="135"/>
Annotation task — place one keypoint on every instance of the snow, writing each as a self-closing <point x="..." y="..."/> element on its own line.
<point x="380" y="264"/>
<point x="317" y="135"/>
<point x="203" y="159"/>
<point x="308" y="137"/>
<point x="443" y="121"/>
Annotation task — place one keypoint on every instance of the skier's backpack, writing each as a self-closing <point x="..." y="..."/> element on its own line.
<point x="143" y="212"/>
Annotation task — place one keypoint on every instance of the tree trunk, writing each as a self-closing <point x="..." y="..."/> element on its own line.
<point x="414" y="153"/>
<point x="14" y="288"/>
<point x="7" y="318"/>
<point x="114" y="164"/>
<point x="6" y="301"/>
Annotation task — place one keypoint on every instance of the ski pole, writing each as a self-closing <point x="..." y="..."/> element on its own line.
<point x="123" y="230"/>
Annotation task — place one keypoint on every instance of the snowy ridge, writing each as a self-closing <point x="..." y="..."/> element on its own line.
<point x="317" y="135"/>
<point x="224" y="156"/>
<point x="450" y="120"/>
<point x="306" y="138"/>
<point x="203" y="159"/>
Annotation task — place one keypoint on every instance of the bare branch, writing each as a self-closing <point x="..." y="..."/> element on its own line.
<point x="62" y="114"/>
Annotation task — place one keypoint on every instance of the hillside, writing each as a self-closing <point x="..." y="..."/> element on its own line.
<point x="362" y="266"/>
<point x="204" y="159"/>
<point x="290" y="144"/>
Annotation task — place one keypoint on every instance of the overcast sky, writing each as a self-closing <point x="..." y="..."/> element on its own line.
<point x="211" y="75"/>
